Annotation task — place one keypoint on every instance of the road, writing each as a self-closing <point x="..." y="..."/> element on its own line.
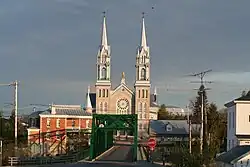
<point x="122" y="153"/>
<point x="109" y="164"/>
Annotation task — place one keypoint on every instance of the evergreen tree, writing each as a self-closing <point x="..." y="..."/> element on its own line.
<point x="196" y="105"/>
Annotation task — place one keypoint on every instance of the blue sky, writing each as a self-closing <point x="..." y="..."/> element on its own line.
<point x="50" y="46"/>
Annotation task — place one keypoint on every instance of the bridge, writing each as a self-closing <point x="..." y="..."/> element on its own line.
<point x="106" y="149"/>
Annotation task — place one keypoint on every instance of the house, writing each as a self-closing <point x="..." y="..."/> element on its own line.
<point x="168" y="131"/>
<point x="175" y="110"/>
<point x="238" y="156"/>
<point x="238" y="118"/>
<point x="49" y="130"/>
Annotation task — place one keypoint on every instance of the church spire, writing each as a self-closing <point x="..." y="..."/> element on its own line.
<point x="104" y="41"/>
<point x="143" y="33"/>
<point x="88" y="102"/>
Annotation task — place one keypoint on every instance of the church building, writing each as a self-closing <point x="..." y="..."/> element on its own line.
<point x="121" y="99"/>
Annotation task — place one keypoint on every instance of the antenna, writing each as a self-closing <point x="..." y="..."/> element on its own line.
<point x="202" y="88"/>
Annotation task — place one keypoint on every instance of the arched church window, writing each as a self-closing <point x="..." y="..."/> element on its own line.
<point x="103" y="93"/>
<point x="140" y="126"/>
<point x="101" y="107"/>
<point x="105" y="107"/>
<point x="139" y="93"/>
<point x="143" y="74"/>
<point x="143" y="93"/>
<point x="140" y="107"/>
<point x="104" y="73"/>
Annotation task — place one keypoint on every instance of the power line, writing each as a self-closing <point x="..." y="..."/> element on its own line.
<point x="202" y="88"/>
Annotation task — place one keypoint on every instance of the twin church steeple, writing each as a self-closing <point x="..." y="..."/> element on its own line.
<point x="104" y="57"/>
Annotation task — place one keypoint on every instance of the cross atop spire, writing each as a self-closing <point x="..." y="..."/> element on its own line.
<point x="143" y="33"/>
<point x="104" y="41"/>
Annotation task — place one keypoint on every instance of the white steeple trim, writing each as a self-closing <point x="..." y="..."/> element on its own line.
<point x="103" y="70"/>
<point x="155" y="91"/>
<point x="104" y="41"/>
<point x="88" y="102"/>
<point x="143" y="33"/>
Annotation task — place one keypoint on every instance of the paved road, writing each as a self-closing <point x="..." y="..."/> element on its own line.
<point x="122" y="153"/>
<point x="109" y="164"/>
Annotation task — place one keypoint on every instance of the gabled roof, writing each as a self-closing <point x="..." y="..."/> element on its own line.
<point x="37" y="113"/>
<point x="73" y="112"/>
<point x="234" y="154"/>
<point x="243" y="98"/>
<point x="179" y="127"/>
<point x="123" y="85"/>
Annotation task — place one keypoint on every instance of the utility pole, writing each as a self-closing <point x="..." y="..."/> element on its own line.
<point x="203" y="113"/>
<point x="189" y="130"/>
<point x="15" y="84"/>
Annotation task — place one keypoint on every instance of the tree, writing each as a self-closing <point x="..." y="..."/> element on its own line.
<point x="162" y="113"/>
<point x="196" y="105"/>
<point x="217" y="128"/>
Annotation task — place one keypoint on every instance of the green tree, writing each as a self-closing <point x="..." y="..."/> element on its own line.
<point x="162" y="113"/>
<point x="217" y="128"/>
<point x="196" y="105"/>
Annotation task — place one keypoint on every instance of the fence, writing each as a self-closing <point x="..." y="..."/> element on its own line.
<point x="67" y="158"/>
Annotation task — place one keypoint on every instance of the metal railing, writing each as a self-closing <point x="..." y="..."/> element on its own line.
<point x="67" y="158"/>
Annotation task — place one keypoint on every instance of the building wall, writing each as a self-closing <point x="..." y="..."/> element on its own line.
<point x="243" y="118"/>
<point x="231" y="128"/>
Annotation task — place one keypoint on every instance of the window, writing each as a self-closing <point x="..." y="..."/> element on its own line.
<point x="104" y="73"/>
<point x="168" y="128"/>
<point x="47" y="135"/>
<point x="107" y="93"/>
<point x="101" y="107"/>
<point x="229" y="120"/>
<point x="249" y="118"/>
<point x="103" y="93"/>
<point x="143" y="93"/>
<point x="139" y="93"/>
<point x="73" y="123"/>
<point x="140" y="107"/>
<point x="233" y="119"/>
<point x="145" y="126"/>
<point x="143" y="74"/>
<point x="100" y="93"/>
<point x="48" y="122"/>
<point x="58" y="135"/>
<point x="58" y="123"/>
<point x="105" y="107"/>
<point x="146" y="93"/>
<point x="140" y="116"/>
<point x="140" y="126"/>
<point x="87" y="124"/>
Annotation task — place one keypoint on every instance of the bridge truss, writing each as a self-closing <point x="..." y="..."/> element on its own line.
<point x="104" y="126"/>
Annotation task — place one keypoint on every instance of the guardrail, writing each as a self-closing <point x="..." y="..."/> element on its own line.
<point x="67" y="158"/>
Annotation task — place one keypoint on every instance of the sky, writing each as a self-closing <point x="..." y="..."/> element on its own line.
<point x="50" y="46"/>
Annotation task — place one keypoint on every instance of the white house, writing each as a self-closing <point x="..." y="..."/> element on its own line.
<point x="238" y="118"/>
<point x="175" y="110"/>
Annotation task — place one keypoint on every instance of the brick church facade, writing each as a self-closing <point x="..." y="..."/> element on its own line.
<point x="120" y="99"/>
